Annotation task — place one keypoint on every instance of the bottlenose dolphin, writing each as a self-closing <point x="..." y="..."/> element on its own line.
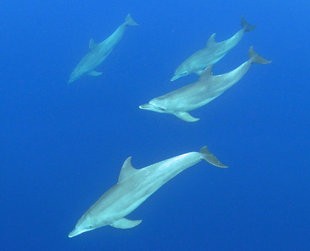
<point x="98" y="52"/>
<point x="211" y="54"/>
<point x="199" y="93"/>
<point x="134" y="186"/>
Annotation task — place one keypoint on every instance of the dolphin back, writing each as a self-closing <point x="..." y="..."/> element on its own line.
<point x="210" y="158"/>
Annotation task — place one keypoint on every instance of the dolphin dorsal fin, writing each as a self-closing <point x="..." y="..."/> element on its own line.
<point x="127" y="170"/>
<point x="207" y="73"/>
<point x="211" y="40"/>
<point x="92" y="44"/>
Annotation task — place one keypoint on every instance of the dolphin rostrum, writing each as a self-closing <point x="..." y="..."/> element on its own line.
<point x="211" y="54"/>
<point x="98" y="52"/>
<point x="134" y="186"/>
<point x="199" y="93"/>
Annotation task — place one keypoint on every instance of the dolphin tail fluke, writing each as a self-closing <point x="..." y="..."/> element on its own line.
<point x="129" y="21"/>
<point x="255" y="58"/>
<point x="210" y="158"/>
<point x="246" y="26"/>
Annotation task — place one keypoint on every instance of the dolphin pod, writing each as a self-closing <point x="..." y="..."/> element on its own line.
<point x="133" y="187"/>
<point x="99" y="52"/>
<point x="200" y="93"/>
<point x="211" y="54"/>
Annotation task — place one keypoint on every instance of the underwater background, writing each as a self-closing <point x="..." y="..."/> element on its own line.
<point x="63" y="145"/>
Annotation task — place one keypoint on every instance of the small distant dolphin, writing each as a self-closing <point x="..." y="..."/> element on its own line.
<point x="198" y="94"/>
<point x="211" y="54"/>
<point x="134" y="186"/>
<point x="98" y="52"/>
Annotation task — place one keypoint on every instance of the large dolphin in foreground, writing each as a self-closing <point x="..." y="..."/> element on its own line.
<point x="134" y="186"/>
<point x="198" y="94"/>
<point x="98" y="52"/>
<point x="211" y="54"/>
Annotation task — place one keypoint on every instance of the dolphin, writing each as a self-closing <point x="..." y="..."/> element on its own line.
<point x="133" y="187"/>
<point x="211" y="54"/>
<point x="98" y="52"/>
<point x="199" y="93"/>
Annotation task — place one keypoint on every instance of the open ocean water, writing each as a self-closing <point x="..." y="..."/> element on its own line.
<point x="62" y="146"/>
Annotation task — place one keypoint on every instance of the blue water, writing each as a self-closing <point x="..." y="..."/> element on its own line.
<point x="62" y="146"/>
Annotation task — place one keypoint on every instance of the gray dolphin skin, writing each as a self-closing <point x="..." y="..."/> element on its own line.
<point x="199" y="93"/>
<point x="134" y="186"/>
<point x="99" y="52"/>
<point x="211" y="54"/>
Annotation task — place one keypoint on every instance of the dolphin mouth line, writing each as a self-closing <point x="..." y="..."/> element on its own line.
<point x="71" y="235"/>
<point x="152" y="107"/>
<point x="74" y="232"/>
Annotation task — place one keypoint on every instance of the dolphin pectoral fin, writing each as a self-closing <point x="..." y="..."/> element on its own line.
<point x="186" y="117"/>
<point x="95" y="73"/>
<point x="124" y="223"/>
